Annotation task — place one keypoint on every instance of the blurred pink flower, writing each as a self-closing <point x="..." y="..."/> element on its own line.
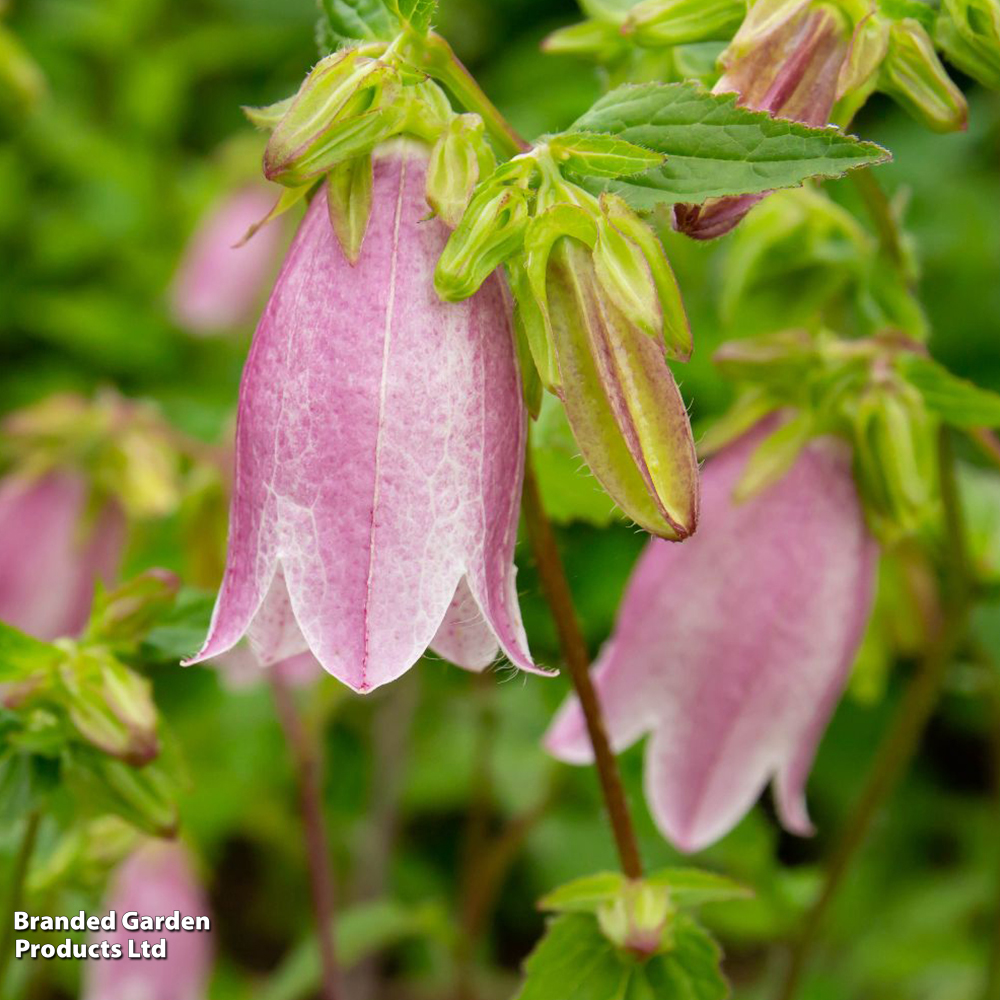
<point x="53" y="551"/>
<point x="239" y="668"/>
<point x="379" y="456"/>
<point x="787" y="64"/>
<point x="155" y="880"/>
<point x="732" y="649"/>
<point x="218" y="285"/>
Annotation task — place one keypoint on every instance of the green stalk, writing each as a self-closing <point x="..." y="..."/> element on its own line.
<point x="15" y="893"/>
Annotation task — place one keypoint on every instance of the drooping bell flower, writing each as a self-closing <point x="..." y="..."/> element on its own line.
<point x="732" y="649"/>
<point x="218" y="282"/>
<point x="379" y="453"/>
<point x="156" y="879"/>
<point x="53" y="550"/>
<point x="786" y="59"/>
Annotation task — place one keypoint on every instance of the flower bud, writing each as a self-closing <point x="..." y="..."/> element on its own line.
<point x="349" y="203"/>
<point x="621" y="400"/>
<point x="914" y="76"/>
<point x="786" y="60"/>
<point x="597" y="39"/>
<point x="895" y="458"/>
<point x="110" y="706"/>
<point x="968" y="32"/>
<point x="457" y="159"/>
<point x="638" y="919"/>
<point x="346" y="105"/>
<point x="681" y="22"/>
<point x="127" y="613"/>
<point x="490" y="231"/>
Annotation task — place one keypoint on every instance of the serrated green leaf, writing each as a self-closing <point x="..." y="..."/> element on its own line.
<point x="594" y="154"/>
<point x="691" y="970"/>
<point x="955" y="400"/>
<point x="714" y="148"/>
<point x="22" y="655"/>
<point x="584" y="895"/>
<point x="692" y="886"/>
<point x="342" y="22"/>
<point x="416" y="13"/>
<point x="575" y="961"/>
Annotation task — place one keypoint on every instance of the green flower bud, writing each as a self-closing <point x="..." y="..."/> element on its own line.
<point x="490" y="231"/>
<point x="913" y="75"/>
<point x="638" y="920"/>
<point x="532" y="323"/>
<point x="458" y="159"/>
<point x="680" y="22"/>
<point x="345" y="106"/>
<point x="968" y="32"/>
<point x="110" y="706"/>
<point x="127" y="613"/>
<point x="894" y="458"/>
<point x="349" y="202"/>
<point x="673" y="322"/>
<point x="625" y="277"/>
<point x="597" y="39"/>
<point x="621" y="399"/>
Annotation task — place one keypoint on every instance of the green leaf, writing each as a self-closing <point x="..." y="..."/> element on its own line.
<point x="21" y="655"/>
<point x="575" y="961"/>
<point x="955" y="400"/>
<point x="342" y="22"/>
<point x="584" y="895"/>
<point x="692" y="886"/>
<point x="691" y="970"/>
<point x="599" y="155"/>
<point x="713" y="148"/>
<point x="416" y="13"/>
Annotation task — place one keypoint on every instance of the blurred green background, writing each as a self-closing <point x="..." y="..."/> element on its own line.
<point x="100" y="188"/>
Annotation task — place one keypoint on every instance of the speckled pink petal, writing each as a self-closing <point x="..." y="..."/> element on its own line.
<point x="379" y="449"/>
<point x="218" y="284"/>
<point x="52" y="553"/>
<point x="155" y="880"/>
<point x="733" y="647"/>
<point x="464" y="638"/>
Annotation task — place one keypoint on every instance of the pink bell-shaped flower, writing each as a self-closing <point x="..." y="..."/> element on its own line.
<point x="155" y="880"/>
<point x="54" y="550"/>
<point x="732" y="649"/>
<point x="218" y="282"/>
<point x="379" y="454"/>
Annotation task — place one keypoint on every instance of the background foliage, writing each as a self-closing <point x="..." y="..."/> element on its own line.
<point x="99" y="189"/>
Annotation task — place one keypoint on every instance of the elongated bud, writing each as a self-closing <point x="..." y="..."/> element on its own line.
<point x="674" y="326"/>
<point x="914" y="76"/>
<point x="110" y="706"/>
<point x="490" y="231"/>
<point x="349" y="203"/>
<point x="895" y="459"/>
<point x="344" y="106"/>
<point x="968" y="32"/>
<point x="621" y="400"/>
<point x="625" y="277"/>
<point x="458" y="158"/>
<point x="786" y="60"/>
<point x="588" y="38"/>
<point x="681" y="22"/>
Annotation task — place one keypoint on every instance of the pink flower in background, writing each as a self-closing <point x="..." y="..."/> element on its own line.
<point x="379" y="454"/>
<point x="732" y="649"/>
<point x="218" y="284"/>
<point x="786" y="62"/>
<point x="53" y="550"/>
<point x="239" y="668"/>
<point x="155" y="880"/>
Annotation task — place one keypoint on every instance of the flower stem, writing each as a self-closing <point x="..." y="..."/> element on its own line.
<point x="434" y="55"/>
<point x="901" y="741"/>
<point x="555" y="587"/>
<point x="15" y="894"/>
<point x="992" y="990"/>
<point x="879" y="209"/>
<point x="307" y="760"/>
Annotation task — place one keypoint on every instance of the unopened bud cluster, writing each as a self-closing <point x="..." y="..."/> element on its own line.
<point x="599" y="313"/>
